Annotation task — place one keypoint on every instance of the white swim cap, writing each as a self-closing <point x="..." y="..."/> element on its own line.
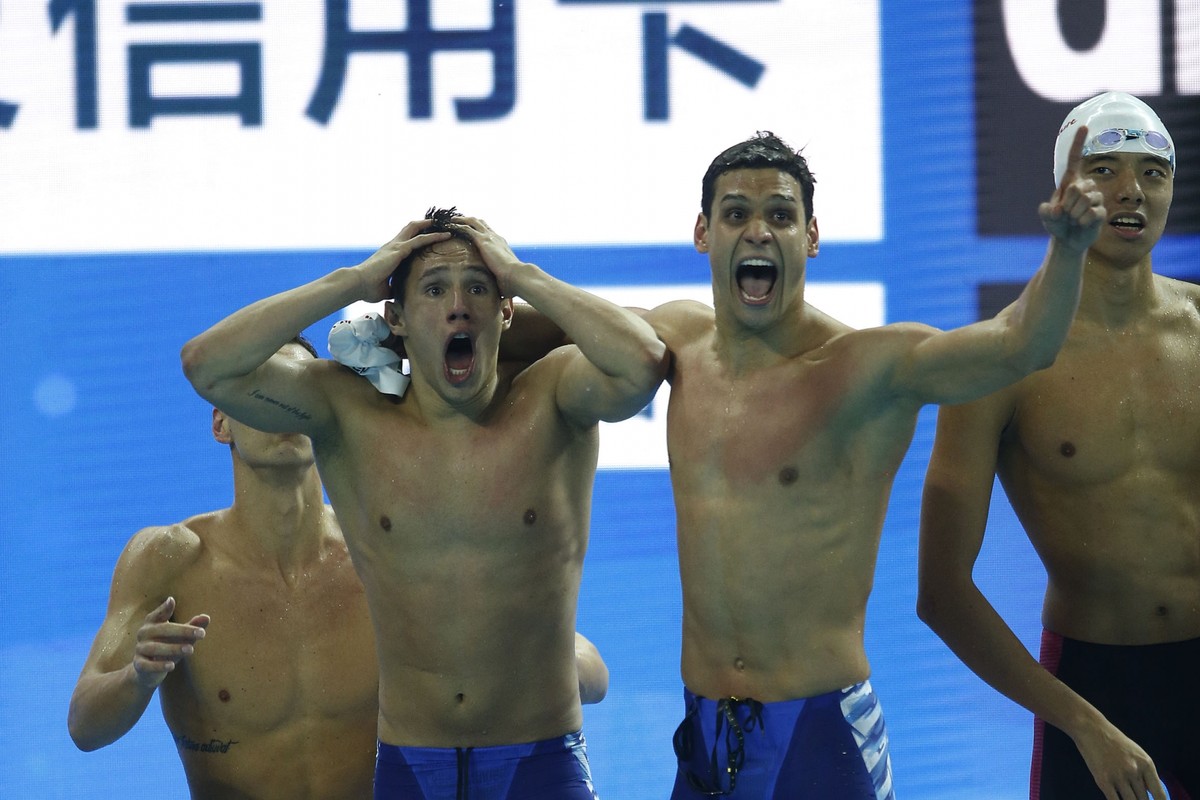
<point x="1117" y="122"/>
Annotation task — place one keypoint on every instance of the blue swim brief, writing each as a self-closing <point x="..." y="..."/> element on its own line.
<point x="554" y="769"/>
<point x="832" y="746"/>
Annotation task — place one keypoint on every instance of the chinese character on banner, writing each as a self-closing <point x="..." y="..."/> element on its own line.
<point x="656" y="43"/>
<point x="144" y="104"/>
<point x="419" y="41"/>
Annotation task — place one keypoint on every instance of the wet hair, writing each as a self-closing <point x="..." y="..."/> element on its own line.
<point x="304" y="342"/>
<point x="764" y="150"/>
<point x="443" y="222"/>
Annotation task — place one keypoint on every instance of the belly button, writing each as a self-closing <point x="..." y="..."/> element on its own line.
<point x="738" y="664"/>
<point x="1161" y="611"/>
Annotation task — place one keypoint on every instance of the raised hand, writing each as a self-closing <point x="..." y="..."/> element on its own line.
<point x="378" y="268"/>
<point x="161" y="644"/>
<point x="497" y="256"/>
<point x="1074" y="213"/>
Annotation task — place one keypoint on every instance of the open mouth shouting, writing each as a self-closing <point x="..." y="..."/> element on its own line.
<point x="756" y="280"/>
<point x="459" y="362"/>
<point x="1127" y="226"/>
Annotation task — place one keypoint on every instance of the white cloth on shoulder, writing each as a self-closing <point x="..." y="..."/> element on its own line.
<point x="355" y="343"/>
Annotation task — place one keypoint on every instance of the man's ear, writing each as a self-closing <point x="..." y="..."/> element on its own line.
<point x="393" y="315"/>
<point x="506" y="312"/>
<point x="700" y="234"/>
<point x="814" y="238"/>
<point x="220" y="427"/>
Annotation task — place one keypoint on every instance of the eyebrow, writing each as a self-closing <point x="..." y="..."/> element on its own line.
<point x="735" y="196"/>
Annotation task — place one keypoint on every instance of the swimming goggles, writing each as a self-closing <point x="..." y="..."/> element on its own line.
<point x="1113" y="138"/>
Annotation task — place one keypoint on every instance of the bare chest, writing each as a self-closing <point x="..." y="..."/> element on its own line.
<point x="425" y="500"/>
<point x="1112" y="408"/>
<point x="278" y="651"/>
<point x="785" y="426"/>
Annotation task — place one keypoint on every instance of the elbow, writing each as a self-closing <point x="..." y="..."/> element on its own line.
<point x="194" y="361"/>
<point x="641" y="382"/>
<point x="594" y="687"/>
<point x="1039" y="359"/>
<point x="655" y="361"/>
<point x="929" y="607"/>
<point x="80" y="734"/>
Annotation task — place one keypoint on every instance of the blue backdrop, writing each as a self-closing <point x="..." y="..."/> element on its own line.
<point x="103" y="437"/>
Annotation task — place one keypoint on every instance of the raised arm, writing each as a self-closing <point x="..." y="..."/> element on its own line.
<point x="954" y="511"/>
<point x="621" y="361"/>
<point x="232" y="366"/>
<point x="969" y="362"/>
<point x="137" y="645"/>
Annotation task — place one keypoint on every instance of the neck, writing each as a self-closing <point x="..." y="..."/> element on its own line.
<point x="795" y="332"/>
<point x="279" y="512"/>
<point x="1115" y="294"/>
<point x="431" y="405"/>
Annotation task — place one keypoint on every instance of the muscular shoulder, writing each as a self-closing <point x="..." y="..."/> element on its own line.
<point x="1183" y="298"/>
<point x="681" y="321"/>
<point x="159" y="555"/>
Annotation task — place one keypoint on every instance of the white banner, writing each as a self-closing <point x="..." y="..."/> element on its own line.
<point x="149" y="126"/>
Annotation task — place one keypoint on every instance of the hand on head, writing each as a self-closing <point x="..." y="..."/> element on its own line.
<point x="376" y="271"/>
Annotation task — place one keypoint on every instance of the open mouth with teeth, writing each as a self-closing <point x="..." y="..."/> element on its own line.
<point x="1127" y="226"/>
<point x="756" y="280"/>
<point x="460" y="358"/>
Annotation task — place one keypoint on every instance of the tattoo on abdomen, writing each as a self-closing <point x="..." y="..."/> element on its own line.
<point x="211" y="746"/>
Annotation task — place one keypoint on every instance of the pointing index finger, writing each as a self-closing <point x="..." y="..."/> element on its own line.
<point x="1074" y="157"/>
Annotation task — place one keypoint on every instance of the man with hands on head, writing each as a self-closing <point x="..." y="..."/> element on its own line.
<point x="465" y="502"/>
<point x="785" y="430"/>
<point x="252" y="626"/>
<point x="1100" y="458"/>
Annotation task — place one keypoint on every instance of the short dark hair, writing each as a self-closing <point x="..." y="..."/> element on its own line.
<point x="443" y="222"/>
<point x="764" y="150"/>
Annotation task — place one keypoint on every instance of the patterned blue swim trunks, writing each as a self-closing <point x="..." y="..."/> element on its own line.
<point x="833" y="745"/>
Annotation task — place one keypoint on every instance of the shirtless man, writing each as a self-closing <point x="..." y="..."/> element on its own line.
<point x="253" y="623"/>
<point x="465" y="503"/>
<point x="305" y="725"/>
<point x="785" y="429"/>
<point x="1100" y="458"/>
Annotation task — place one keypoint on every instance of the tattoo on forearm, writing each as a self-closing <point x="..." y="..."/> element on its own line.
<point x="299" y="413"/>
<point x="211" y="746"/>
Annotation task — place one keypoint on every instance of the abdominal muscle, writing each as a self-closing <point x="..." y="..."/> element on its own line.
<point x="772" y="610"/>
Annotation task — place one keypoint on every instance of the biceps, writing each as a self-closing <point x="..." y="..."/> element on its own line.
<point x="274" y="399"/>
<point x="961" y="473"/>
<point x="587" y="395"/>
<point x="960" y="365"/>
